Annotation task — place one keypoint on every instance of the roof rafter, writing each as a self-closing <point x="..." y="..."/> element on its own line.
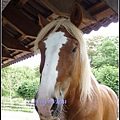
<point x="112" y="4"/>
<point x="12" y="43"/>
<point x="12" y="14"/>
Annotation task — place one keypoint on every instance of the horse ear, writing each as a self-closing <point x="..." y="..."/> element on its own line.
<point x="76" y="15"/>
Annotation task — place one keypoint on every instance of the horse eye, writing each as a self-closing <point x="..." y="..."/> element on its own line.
<point x="74" y="50"/>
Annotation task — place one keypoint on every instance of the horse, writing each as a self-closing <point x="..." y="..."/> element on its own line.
<point x="68" y="90"/>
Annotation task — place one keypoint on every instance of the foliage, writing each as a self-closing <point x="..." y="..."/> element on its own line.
<point x="9" y="83"/>
<point x="103" y="50"/>
<point x="37" y="73"/>
<point x="107" y="53"/>
<point x="5" y="99"/>
<point x="107" y="75"/>
<point x="14" y="77"/>
<point x="103" y="56"/>
<point x="28" y="89"/>
<point x="92" y="44"/>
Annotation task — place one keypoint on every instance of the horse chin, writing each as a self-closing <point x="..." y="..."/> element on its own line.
<point x="55" y="114"/>
<point x="48" y="118"/>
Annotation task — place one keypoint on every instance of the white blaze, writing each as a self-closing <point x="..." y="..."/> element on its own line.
<point x="49" y="74"/>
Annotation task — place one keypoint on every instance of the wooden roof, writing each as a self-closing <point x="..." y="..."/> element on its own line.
<point x="20" y="22"/>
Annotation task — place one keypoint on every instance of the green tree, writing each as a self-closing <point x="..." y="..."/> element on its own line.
<point x="103" y="54"/>
<point x="92" y="44"/>
<point x="106" y="53"/>
<point x="28" y="89"/>
<point x="10" y="81"/>
<point x="13" y="77"/>
<point x="37" y="71"/>
<point x="107" y="75"/>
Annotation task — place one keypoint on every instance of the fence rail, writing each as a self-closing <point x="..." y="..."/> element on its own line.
<point x="13" y="106"/>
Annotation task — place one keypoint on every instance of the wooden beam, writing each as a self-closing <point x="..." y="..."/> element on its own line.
<point x="21" y="3"/>
<point x="103" y="14"/>
<point x="50" y="6"/>
<point x="37" y="5"/>
<point x="98" y="7"/>
<point x="100" y="10"/>
<point x="24" y="36"/>
<point x="113" y="4"/>
<point x="5" y="21"/>
<point x="5" y="62"/>
<point x="17" y="18"/>
<point x="12" y="43"/>
<point x="42" y="20"/>
<point x="6" y="55"/>
<point x="58" y="7"/>
<point x="64" y="7"/>
<point x="52" y="17"/>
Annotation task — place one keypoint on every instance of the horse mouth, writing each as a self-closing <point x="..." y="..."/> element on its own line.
<point x="48" y="117"/>
<point x="55" y="114"/>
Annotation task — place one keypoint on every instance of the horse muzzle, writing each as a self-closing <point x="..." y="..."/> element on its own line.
<point x="51" y="108"/>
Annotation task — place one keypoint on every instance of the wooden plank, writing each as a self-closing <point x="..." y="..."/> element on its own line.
<point x="35" y="4"/>
<point x="5" y="21"/>
<point x="112" y="4"/>
<point x="5" y="62"/>
<point x="12" y="43"/>
<point x="17" y="53"/>
<point x="5" y="54"/>
<point x="63" y="6"/>
<point x="59" y="7"/>
<point x="103" y="14"/>
<point x="20" y="20"/>
<point x="21" y="3"/>
<point x="97" y="7"/>
<point x="24" y="36"/>
<point x="100" y="11"/>
<point x="50" y="6"/>
<point x="31" y="10"/>
<point x="52" y="17"/>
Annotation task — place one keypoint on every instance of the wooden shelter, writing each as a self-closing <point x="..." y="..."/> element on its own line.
<point x="23" y="19"/>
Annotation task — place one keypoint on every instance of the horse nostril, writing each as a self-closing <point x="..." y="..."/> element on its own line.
<point x="54" y="106"/>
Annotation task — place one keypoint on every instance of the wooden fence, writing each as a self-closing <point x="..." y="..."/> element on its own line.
<point x="13" y="106"/>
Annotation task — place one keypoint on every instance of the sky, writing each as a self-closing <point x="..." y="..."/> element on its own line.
<point x="111" y="30"/>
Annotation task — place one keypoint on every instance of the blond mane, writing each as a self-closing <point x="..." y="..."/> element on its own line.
<point x="85" y="80"/>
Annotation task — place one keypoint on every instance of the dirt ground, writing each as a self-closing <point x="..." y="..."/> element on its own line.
<point x="9" y="115"/>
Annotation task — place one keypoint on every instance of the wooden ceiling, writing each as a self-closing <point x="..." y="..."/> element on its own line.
<point x="23" y="19"/>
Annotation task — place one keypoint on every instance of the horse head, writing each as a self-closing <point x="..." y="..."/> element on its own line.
<point x="62" y="51"/>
